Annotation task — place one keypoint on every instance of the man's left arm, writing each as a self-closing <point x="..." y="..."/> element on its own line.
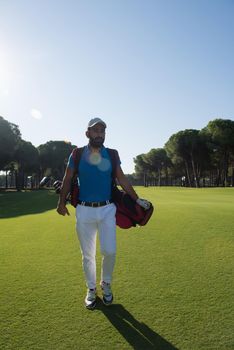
<point x="125" y="184"/>
<point x="127" y="187"/>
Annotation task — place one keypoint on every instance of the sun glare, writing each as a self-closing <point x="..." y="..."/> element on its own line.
<point x="36" y="114"/>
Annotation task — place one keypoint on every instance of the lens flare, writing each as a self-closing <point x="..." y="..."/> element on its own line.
<point x="36" y="114"/>
<point x="104" y="165"/>
<point x="95" y="158"/>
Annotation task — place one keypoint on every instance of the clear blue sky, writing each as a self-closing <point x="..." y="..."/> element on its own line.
<point x="149" y="68"/>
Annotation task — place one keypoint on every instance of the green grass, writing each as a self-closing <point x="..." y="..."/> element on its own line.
<point x="173" y="282"/>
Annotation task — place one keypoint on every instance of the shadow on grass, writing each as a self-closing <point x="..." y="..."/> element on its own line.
<point x="137" y="334"/>
<point x="14" y="204"/>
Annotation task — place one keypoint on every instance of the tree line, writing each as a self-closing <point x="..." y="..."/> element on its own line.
<point x="24" y="165"/>
<point x="191" y="158"/>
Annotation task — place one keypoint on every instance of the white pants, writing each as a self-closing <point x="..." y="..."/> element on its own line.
<point x="88" y="221"/>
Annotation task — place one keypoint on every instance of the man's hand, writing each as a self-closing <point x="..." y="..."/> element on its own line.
<point x="143" y="203"/>
<point x="62" y="210"/>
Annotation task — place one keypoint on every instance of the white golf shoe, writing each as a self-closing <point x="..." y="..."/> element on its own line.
<point x="91" y="299"/>
<point x="107" y="296"/>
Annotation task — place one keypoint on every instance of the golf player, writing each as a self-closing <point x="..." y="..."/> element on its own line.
<point x="95" y="211"/>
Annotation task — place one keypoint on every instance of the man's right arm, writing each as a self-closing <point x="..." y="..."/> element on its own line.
<point x="65" y="189"/>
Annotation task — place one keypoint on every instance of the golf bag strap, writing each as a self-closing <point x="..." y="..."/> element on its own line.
<point x="76" y="155"/>
<point x="114" y="161"/>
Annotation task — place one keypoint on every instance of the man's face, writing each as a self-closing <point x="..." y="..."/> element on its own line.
<point x="96" y="135"/>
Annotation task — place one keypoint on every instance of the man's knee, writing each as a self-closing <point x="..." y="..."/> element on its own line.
<point x="88" y="258"/>
<point x="108" y="253"/>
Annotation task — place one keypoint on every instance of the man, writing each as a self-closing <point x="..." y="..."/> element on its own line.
<point x="95" y="210"/>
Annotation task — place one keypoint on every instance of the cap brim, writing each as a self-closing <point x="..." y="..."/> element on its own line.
<point x="99" y="122"/>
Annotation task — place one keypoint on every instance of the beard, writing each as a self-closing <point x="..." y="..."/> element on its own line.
<point x="96" y="142"/>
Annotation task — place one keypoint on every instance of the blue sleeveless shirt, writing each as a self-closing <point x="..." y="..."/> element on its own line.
<point x="94" y="175"/>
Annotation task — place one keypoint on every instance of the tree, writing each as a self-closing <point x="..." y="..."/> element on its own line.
<point x="141" y="168"/>
<point x="9" y="138"/>
<point x="27" y="162"/>
<point x="221" y="136"/>
<point x="53" y="158"/>
<point x="188" y="148"/>
<point x="158" y="160"/>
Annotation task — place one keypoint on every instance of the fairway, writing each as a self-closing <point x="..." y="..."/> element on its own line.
<point x="173" y="282"/>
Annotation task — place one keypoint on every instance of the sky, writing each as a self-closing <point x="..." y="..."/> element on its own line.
<point x="148" y="68"/>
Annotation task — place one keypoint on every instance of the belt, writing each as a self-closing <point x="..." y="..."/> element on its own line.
<point x="94" y="204"/>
